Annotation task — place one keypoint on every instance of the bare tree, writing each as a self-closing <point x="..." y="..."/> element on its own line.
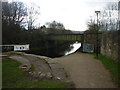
<point x="14" y="12"/>
<point x="109" y="17"/>
<point x="33" y="13"/>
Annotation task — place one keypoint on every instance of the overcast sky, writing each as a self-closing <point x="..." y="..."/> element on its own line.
<point x="74" y="14"/>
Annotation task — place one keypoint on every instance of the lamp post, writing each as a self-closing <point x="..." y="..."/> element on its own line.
<point x="97" y="12"/>
<point x="119" y="27"/>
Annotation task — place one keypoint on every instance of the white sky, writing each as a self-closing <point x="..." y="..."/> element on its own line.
<point x="74" y="14"/>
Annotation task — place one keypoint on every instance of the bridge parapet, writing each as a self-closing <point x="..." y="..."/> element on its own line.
<point x="67" y="37"/>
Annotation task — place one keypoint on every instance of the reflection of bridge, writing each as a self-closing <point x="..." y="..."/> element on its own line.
<point x="67" y="37"/>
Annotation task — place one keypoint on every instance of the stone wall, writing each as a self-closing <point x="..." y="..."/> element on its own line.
<point x="109" y="44"/>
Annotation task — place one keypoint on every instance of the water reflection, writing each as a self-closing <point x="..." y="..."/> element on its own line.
<point x="54" y="48"/>
<point x="75" y="47"/>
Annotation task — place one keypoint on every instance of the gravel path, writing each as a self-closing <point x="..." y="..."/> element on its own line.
<point x="86" y="72"/>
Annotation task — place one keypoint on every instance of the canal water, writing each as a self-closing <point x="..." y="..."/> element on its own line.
<point x="56" y="48"/>
<point x="75" y="46"/>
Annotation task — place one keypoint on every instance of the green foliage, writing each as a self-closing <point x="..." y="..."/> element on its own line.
<point x="9" y="74"/>
<point x="13" y="77"/>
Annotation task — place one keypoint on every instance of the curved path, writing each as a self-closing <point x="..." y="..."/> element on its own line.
<point x="45" y="67"/>
<point x="86" y="72"/>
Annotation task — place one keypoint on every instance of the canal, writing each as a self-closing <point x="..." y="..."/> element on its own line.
<point x="54" y="48"/>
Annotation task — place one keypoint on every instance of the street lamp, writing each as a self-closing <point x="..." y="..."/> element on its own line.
<point x="97" y="12"/>
<point x="119" y="15"/>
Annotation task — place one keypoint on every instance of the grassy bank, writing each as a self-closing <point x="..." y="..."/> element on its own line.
<point x="13" y="77"/>
<point x="112" y="66"/>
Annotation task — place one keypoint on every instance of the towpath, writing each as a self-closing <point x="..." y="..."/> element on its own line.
<point x="86" y="71"/>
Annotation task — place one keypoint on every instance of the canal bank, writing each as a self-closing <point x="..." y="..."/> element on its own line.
<point x="36" y="69"/>
<point x="43" y="65"/>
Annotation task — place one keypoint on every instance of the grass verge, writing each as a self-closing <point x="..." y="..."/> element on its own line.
<point x="13" y="77"/>
<point x="112" y="65"/>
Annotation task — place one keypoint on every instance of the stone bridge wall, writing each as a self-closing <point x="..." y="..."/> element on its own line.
<point x="110" y="46"/>
<point x="108" y="43"/>
<point x="91" y="38"/>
